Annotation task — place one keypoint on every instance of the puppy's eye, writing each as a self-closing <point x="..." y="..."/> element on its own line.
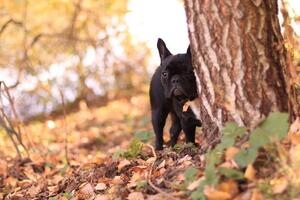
<point x="165" y="74"/>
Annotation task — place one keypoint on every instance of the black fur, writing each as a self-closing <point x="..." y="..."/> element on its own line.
<point x="172" y="85"/>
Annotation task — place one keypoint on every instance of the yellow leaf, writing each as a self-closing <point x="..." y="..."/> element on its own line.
<point x="250" y="173"/>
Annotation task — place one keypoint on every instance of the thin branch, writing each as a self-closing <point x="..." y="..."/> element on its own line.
<point x="12" y="129"/>
<point x="65" y="126"/>
<point x="168" y="196"/>
<point x="10" y="21"/>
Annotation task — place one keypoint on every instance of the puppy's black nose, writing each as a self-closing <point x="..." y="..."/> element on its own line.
<point x="175" y="80"/>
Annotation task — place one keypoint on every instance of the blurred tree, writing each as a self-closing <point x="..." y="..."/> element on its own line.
<point x="37" y="35"/>
<point x="240" y="59"/>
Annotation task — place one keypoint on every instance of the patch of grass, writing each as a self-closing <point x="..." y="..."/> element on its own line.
<point x="135" y="149"/>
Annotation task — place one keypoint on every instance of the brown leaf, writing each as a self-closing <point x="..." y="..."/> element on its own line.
<point x="102" y="197"/>
<point x="117" y="180"/>
<point x="34" y="190"/>
<point x="135" y="196"/>
<point x="256" y="195"/>
<point x="100" y="186"/>
<point x="86" y="191"/>
<point x="123" y="164"/>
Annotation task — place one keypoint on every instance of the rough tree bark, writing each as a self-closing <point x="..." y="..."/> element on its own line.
<point x="239" y="58"/>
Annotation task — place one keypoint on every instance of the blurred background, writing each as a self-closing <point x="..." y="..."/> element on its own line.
<point x="86" y="50"/>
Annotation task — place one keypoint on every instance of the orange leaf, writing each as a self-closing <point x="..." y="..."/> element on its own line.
<point x="256" y="195"/>
<point x="229" y="187"/>
<point x="230" y="153"/>
<point x="250" y="173"/>
<point x="212" y="194"/>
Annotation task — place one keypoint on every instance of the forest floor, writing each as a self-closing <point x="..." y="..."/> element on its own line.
<point x="110" y="156"/>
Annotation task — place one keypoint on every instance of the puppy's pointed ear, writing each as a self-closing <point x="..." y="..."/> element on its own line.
<point x="162" y="49"/>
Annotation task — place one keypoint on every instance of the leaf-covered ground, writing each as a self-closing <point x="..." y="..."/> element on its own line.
<point x="109" y="156"/>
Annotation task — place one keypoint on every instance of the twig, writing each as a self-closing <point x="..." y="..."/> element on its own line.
<point x="12" y="129"/>
<point x="65" y="126"/>
<point x="150" y="174"/>
<point x="10" y="21"/>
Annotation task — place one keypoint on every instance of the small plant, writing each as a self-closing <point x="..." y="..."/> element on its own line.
<point x="272" y="129"/>
<point x="135" y="148"/>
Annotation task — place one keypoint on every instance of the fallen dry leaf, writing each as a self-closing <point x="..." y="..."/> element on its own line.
<point x="86" y="191"/>
<point x="212" y="194"/>
<point x="135" y="196"/>
<point x="100" y="186"/>
<point x="279" y="185"/>
<point x="294" y="132"/>
<point x="123" y="164"/>
<point x="230" y="187"/>
<point x="102" y="197"/>
<point x="186" y="106"/>
<point x="117" y="180"/>
<point x="34" y="190"/>
<point x="250" y="173"/>
<point x="256" y="195"/>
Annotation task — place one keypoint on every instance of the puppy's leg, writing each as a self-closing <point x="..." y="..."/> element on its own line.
<point x="158" y="121"/>
<point x="175" y="129"/>
<point x="189" y="130"/>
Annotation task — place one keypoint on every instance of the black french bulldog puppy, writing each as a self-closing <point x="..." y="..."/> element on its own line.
<point x="172" y="85"/>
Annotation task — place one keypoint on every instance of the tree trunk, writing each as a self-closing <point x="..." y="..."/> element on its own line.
<point x="239" y="57"/>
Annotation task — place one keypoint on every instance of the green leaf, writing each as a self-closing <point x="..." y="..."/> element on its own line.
<point x="245" y="157"/>
<point x="119" y="153"/>
<point x="144" y="136"/>
<point x="212" y="157"/>
<point x="230" y="132"/>
<point x="211" y="176"/>
<point x="233" y="130"/>
<point x="190" y="174"/>
<point x="276" y="124"/>
<point x="198" y="194"/>
<point x="231" y="173"/>
<point x="259" y="137"/>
